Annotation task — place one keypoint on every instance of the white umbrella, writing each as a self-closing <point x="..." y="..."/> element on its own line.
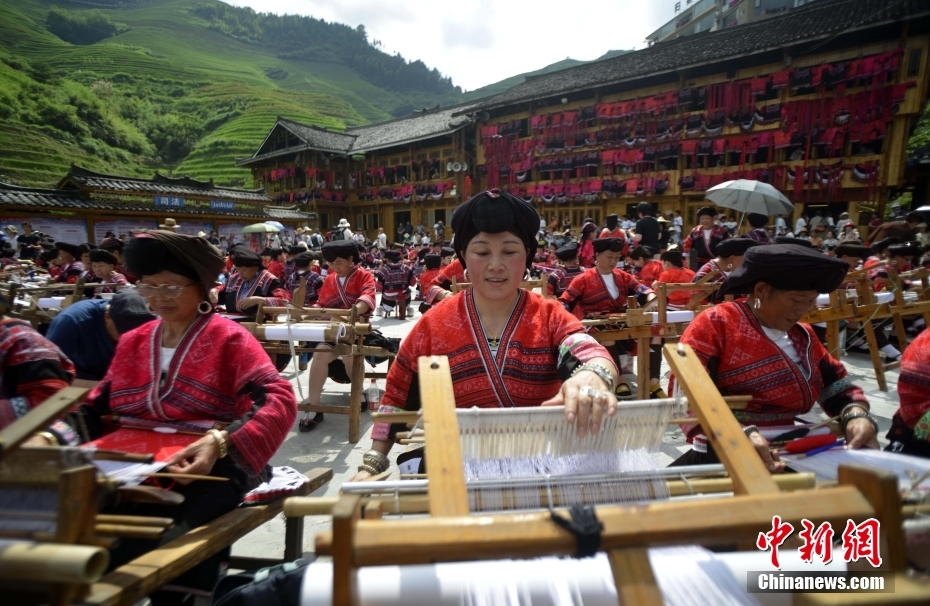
<point x="275" y="224"/>
<point x="749" y="196"/>
<point x="259" y="228"/>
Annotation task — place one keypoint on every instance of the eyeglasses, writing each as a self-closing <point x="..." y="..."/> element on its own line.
<point x="168" y="291"/>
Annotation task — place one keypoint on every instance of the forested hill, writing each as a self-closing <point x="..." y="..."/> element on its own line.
<point x="135" y="86"/>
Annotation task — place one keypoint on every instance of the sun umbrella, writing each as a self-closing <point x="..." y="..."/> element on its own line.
<point x="748" y="196"/>
<point x="259" y="228"/>
<point x="275" y="224"/>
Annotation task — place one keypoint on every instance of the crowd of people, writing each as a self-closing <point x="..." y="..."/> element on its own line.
<point x="163" y="354"/>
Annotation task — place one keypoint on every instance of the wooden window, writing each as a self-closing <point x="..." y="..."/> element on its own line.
<point x="434" y="155"/>
<point x="913" y="62"/>
<point x="448" y="152"/>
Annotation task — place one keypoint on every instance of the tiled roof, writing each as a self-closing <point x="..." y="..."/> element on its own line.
<point x="161" y="185"/>
<point x="807" y="24"/>
<point x="318" y="138"/>
<point x="14" y="196"/>
<point x="418" y="126"/>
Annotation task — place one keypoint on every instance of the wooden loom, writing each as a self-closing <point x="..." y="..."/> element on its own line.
<point x="52" y="538"/>
<point x="345" y="332"/>
<point x="452" y="534"/>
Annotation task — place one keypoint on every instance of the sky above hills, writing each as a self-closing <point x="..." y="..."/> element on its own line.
<point x="479" y="42"/>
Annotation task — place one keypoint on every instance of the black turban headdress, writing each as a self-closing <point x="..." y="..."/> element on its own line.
<point x="432" y="261"/>
<point x="153" y="251"/>
<point x="568" y="252"/>
<point x="495" y="212"/>
<point x="342" y="249"/>
<point x="392" y="255"/>
<point x="853" y="250"/>
<point x="611" y="244"/>
<point x="785" y="267"/>
<point x="735" y="247"/>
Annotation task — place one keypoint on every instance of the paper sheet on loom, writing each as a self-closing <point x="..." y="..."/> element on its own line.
<point x="139" y="441"/>
<point x="826" y="465"/>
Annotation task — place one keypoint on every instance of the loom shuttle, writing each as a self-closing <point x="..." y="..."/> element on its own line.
<point x="814" y="451"/>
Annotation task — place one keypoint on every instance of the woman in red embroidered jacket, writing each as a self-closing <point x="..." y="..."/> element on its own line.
<point x="196" y="370"/>
<point x="438" y="289"/>
<point x="757" y="348"/>
<point x="603" y="289"/>
<point x="251" y="284"/>
<point x="346" y="284"/>
<point x="103" y="264"/>
<point x="910" y="427"/>
<point x="70" y="268"/>
<point x="507" y="347"/>
<point x="701" y="244"/>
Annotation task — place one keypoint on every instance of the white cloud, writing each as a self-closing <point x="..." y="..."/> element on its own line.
<point x="481" y="42"/>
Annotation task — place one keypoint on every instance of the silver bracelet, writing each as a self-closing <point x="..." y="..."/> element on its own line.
<point x="600" y="371"/>
<point x="750" y="429"/>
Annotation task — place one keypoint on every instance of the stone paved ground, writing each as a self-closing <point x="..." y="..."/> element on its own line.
<point x="327" y="445"/>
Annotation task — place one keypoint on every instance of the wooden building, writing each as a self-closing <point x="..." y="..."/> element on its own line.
<point x="819" y="101"/>
<point x="86" y="205"/>
<point x="409" y="169"/>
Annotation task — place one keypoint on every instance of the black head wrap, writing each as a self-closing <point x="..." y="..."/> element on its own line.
<point x="73" y="249"/>
<point x="112" y="244"/>
<point x="432" y="261"/>
<point x="304" y="259"/>
<point x="495" y="212"/>
<point x="907" y="249"/>
<point x="245" y="257"/>
<point x="392" y="255"/>
<point x="612" y="221"/>
<point x="342" y="249"/>
<point x="735" y="247"/>
<point x="102" y="256"/>
<point x="757" y="219"/>
<point x="674" y="257"/>
<point x="883" y="244"/>
<point x="568" y="252"/>
<point x="152" y="251"/>
<point x="421" y="254"/>
<point x="795" y="241"/>
<point x="295" y="250"/>
<point x="853" y="250"/>
<point x="785" y="267"/>
<point x="642" y="252"/>
<point x="447" y="251"/>
<point x="710" y="211"/>
<point x="611" y="244"/>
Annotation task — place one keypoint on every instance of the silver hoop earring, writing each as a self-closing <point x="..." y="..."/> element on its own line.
<point x="149" y="309"/>
<point x="729" y="266"/>
<point x="757" y="304"/>
<point x="204" y="310"/>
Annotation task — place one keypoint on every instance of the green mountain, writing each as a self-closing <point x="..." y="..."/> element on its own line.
<point x="135" y="86"/>
<point x="507" y="83"/>
<point x="187" y="86"/>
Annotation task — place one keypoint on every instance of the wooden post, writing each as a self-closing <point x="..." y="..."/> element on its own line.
<point x="448" y="495"/>
<point x="346" y="514"/>
<point x="732" y="446"/>
<point x="880" y="488"/>
<point x="636" y="584"/>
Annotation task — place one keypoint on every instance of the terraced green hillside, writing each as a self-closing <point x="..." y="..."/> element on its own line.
<point x="169" y="93"/>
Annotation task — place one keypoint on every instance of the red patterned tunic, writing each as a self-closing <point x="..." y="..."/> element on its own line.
<point x="743" y="361"/>
<point x="443" y="281"/>
<point x="264" y="285"/>
<point x="705" y="249"/>
<point x="359" y="286"/>
<point x="32" y="369"/>
<point x="677" y="275"/>
<point x="538" y="348"/>
<point x="587" y="293"/>
<point x="219" y="373"/>
<point x="914" y="389"/>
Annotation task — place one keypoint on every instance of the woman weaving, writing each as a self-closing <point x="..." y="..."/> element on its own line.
<point x="756" y="347"/>
<point x="195" y="370"/>
<point x="507" y="347"/>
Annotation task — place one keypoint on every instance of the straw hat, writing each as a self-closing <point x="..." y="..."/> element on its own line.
<point x="169" y="225"/>
<point x="300" y="230"/>
<point x="201" y="234"/>
<point x="343" y="223"/>
<point x="10" y="229"/>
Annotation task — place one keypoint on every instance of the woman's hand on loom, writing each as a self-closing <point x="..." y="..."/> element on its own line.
<point x="250" y="302"/>
<point x="360" y="476"/>
<point x="861" y="434"/>
<point x="769" y="457"/>
<point x="587" y="399"/>
<point x="196" y="459"/>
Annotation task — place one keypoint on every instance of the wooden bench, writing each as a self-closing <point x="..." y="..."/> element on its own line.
<point x="136" y="579"/>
